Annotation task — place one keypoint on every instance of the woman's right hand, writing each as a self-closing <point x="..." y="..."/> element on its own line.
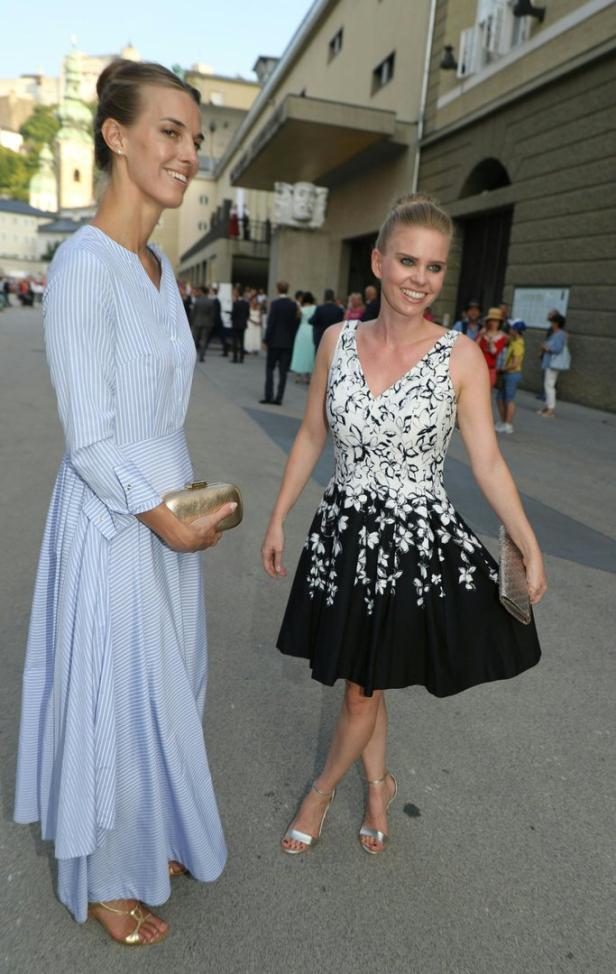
<point x="271" y="551"/>
<point x="203" y="533"/>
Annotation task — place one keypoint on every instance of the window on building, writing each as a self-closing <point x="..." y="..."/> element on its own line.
<point x="335" y="45"/>
<point x="204" y="200"/>
<point x="383" y="73"/>
<point x="495" y="33"/>
<point x="76" y="176"/>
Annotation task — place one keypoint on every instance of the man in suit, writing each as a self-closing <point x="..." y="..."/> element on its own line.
<point x="282" y="325"/>
<point x="219" y="328"/>
<point x="202" y="320"/>
<point x="239" y="322"/>
<point x="326" y="314"/>
<point x="373" y="303"/>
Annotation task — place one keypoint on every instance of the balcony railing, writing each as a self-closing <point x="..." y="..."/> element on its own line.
<point x="250" y="236"/>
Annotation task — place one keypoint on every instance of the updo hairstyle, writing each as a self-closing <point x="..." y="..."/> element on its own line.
<point x="119" y="97"/>
<point x="414" y="210"/>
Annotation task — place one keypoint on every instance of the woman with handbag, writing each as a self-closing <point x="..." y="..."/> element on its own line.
<point x="111" y="754"/>
<point x="393" y="588"/>
<point x="556" y="359"/>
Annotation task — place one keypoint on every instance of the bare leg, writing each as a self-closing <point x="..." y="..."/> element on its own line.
<point x="373" y="755"/>
<point x="353" y="732"/>
<point x="501" y="409"/>
<point x="375" y="767"/>
<point x="510" y="412"/>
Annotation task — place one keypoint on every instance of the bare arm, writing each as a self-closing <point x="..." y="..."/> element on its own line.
<point x="307" y="448"/>
<point x="471" y="381"/>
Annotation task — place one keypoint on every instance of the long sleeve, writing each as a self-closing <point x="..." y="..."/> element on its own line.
<point x="81" y="355"/>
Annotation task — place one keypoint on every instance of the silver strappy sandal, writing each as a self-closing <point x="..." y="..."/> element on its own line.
<point x="309" y="841"/>
<point x="365" y="830"/>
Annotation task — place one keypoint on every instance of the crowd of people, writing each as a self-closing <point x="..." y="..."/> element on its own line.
<point x="25" y="290"/>
<point x="501" y="340"/>
<point x="290" y="329"/>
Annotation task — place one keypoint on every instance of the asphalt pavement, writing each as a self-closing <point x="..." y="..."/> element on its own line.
<point x="501" y="858"/>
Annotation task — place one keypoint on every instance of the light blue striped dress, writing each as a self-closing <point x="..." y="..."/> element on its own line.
<point x="111" y="757"/>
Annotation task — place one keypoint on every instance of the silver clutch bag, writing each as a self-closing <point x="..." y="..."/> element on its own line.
<point x="512" y="584"/>
<point x="198" y="499"/>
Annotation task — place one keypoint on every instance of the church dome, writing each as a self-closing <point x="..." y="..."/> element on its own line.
<point x="45" y="155"/>
<point x="130" y="53"/>
<point x="43" y="189"/>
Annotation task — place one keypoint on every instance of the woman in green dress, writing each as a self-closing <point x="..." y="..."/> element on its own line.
<point x="302" y="362"/>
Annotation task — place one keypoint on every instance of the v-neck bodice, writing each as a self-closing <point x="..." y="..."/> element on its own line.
<point x="130" y="255"/>
<point x="393" y="443"/>
<point x="396" y="382"/>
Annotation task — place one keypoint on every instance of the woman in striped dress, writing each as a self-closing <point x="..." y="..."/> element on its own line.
<point x="111" y="754"/>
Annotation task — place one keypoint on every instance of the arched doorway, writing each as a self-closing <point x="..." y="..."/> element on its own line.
<point x="485" y="238"/>
<point x="487" y="175"/>
<point x="360" y="267"/>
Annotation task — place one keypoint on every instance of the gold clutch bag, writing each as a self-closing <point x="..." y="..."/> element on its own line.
<point x="512" y="584"/>
<point x="201" y="498"/>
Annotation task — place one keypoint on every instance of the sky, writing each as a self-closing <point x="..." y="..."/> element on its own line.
<point x="229" y="35"/>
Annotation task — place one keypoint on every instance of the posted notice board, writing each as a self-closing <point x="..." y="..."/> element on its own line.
<point x="532" y="304"/>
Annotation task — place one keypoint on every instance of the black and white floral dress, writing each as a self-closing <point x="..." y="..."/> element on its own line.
<point x="393" y="588"/>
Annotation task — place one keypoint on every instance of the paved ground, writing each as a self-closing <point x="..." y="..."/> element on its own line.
<point x="502" y="855"/>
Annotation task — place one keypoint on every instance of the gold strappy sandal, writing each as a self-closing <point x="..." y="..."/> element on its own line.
<point x="131" y="939"/>
<point x="375" y="833"/>
<point x="309" y="841"/>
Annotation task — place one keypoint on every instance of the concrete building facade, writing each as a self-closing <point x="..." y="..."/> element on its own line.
<point x="224" y="105"/>
<point x="520" y="146"/>
<point x="21" y="244"/>
<point x="340" y="110"/>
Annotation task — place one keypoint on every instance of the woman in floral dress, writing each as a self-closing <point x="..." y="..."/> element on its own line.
<point x="393" y="588"/>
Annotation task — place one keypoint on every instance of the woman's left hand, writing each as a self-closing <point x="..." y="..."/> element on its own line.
<point x="535" y="577"/>
<point x="272" y="551"/>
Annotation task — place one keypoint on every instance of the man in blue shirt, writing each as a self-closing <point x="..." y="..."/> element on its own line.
<point x="470" y="323"/>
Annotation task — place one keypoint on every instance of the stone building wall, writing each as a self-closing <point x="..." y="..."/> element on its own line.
<point x="558" y="146"/>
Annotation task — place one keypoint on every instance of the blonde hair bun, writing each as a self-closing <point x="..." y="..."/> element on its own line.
<point x="415" y="210"/>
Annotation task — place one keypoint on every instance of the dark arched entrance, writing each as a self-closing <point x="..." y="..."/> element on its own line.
<point x="485" y="239"/>
<point x="487" y="175"/>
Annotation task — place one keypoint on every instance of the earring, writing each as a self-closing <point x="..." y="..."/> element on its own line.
<point x="119" y="152"/>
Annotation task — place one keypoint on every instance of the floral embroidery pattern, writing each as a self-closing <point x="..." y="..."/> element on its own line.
<point x="388" y="484"/>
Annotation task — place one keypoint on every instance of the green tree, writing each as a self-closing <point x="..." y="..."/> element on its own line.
<point x="51" y="249"/>
<point x="41" y="127"/>
<point x="15" y="175"/>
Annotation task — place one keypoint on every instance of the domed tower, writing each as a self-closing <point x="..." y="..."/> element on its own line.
<point x="74" y="144"/>
<point x="43" y="185"/>
<point x="130" y="53"/>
